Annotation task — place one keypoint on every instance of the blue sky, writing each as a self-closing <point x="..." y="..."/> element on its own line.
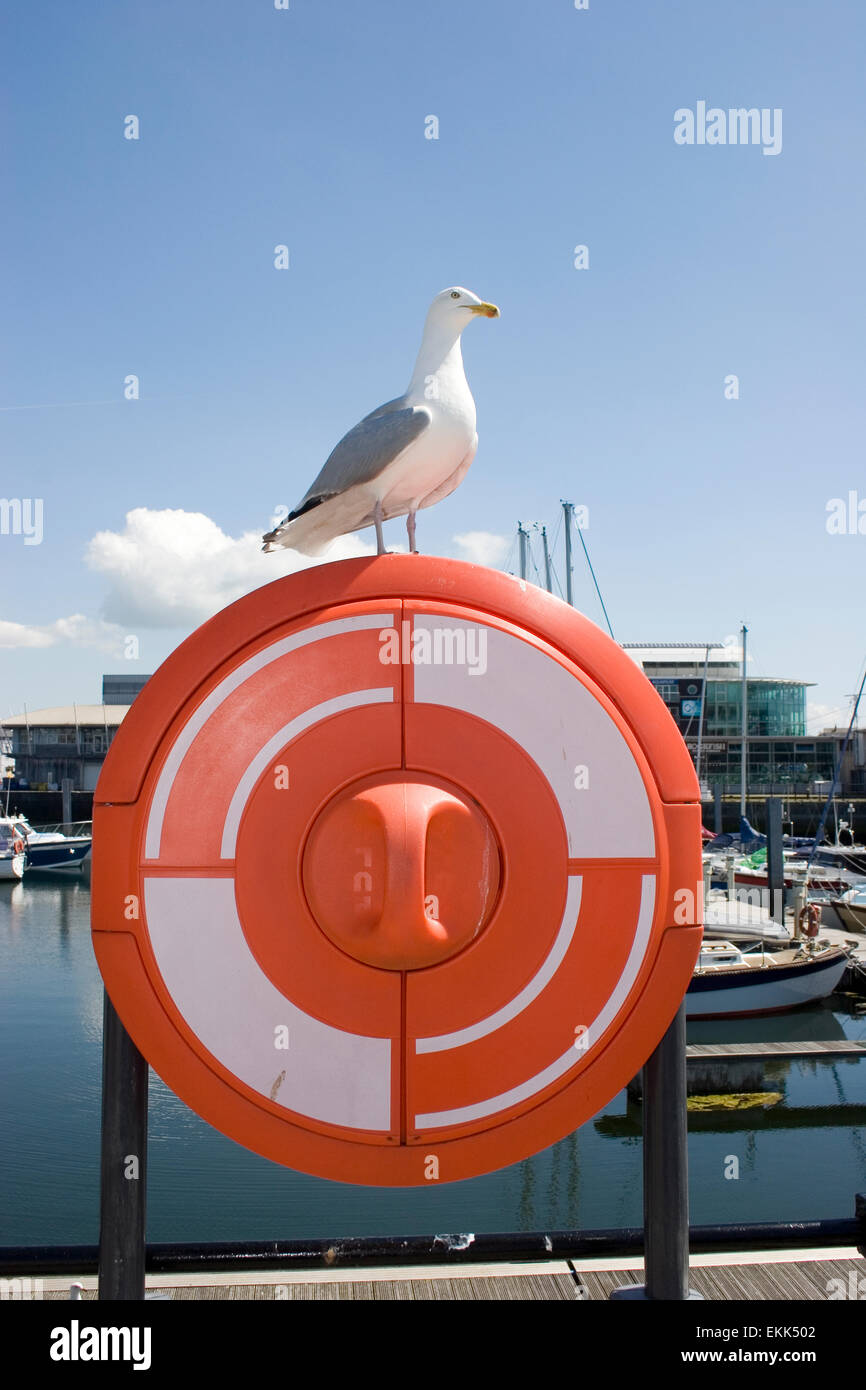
<point x="306" y="127"/>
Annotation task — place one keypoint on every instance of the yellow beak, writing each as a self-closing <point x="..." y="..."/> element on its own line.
<point x="489" y="311"/>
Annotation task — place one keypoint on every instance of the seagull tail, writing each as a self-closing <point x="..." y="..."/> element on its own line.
<point x="296" y="535"/>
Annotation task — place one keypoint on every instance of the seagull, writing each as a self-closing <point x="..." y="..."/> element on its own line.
<point x="408" y="454"/>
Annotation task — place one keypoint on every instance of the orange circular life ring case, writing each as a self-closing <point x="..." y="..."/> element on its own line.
<point x="388" y="861"/>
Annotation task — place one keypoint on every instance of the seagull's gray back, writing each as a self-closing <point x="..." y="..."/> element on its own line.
<point x="368" y="449"/>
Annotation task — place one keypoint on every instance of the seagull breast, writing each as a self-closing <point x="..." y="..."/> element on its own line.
<point x="407" y="454"/>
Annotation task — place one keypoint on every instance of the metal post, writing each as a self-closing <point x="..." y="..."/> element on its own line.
<point x="801" y="897"/>
<point x="123" y="1188"/>
<point x="666" y="1166"/>
<point x="665" y="1171"/>
<point x="569" y="582"/>
<point x="521" y="536"/>
<point x="66" y="796"/>
<point x="548" y="582"/>
<point x="701" y="720"/>
<point x="775" y="859"/>
<point x="717" y="807"/>
<point x="744" y="728"/>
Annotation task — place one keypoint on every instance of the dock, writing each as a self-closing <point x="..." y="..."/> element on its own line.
<point x="725" y="1068"/>
<point x="751" y="1052"/>
<point x="854" y="979"/>
<point x="774" y="1275"/>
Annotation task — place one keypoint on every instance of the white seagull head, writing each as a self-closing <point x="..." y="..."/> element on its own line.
<point x="456" y="306"/>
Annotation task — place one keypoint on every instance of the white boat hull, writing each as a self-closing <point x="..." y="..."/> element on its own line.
<point x="742" y="921"/>
<point x="852" y="918"/>
<point x="12" y="867"/>
<point x="728" y="992"/>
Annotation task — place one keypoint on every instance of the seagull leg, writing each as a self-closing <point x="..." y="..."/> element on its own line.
<point x="410" y="527"/>
<point x="380" y="539"/>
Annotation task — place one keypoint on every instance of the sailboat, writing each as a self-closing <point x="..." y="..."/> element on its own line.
<point x="729" y="983"/>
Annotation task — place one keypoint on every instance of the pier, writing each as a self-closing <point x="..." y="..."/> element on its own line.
<point x="729" y="1068"/>
<point x="809" y="1275"/>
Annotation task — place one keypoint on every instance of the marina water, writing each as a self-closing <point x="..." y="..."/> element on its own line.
<point x="802" y="1159"/>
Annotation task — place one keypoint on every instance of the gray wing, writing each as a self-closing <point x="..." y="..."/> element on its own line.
<point x="366" y="450"/>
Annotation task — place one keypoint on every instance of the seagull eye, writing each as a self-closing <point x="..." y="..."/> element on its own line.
<point x="454" y="294"/>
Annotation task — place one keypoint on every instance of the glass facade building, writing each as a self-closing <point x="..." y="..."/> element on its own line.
<point x="781" y="757"/>
<point x="774" y="765"/>
<point x="774" y="707"/>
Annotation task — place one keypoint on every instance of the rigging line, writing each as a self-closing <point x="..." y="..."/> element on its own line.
<point x="553" y="574"/>
<point x="860" y="675"/>
<point x="579" y="530"/>
<point x="534" y="565"/>
<point x="819" y="834"/>
<point x="557" y="531"/>
<point x="510" y="557"/>
<point x="109" y="400"/>
<point x="61" y="405"/>
<point x="861" y="678"/>
<point x="837" y="709"/>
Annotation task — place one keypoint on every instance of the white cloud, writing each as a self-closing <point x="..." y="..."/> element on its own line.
<point x="483" y="547"/>
<point x="19" y="635"/>
<point x="82" y="631"/>
<point x="820" y="716"/>
<point x="174" y="568"/>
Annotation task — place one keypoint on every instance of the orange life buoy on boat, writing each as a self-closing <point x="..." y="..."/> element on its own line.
<point x="18" y="844"/>
<point x="810" y="919"/>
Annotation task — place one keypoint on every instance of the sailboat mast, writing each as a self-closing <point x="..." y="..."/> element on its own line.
<point x="548" y="582"/>
<point x="744" y="728"/>
<point x="701" y="719"/>
<point x="819" y="833"/>
<point x="569" y="589"/>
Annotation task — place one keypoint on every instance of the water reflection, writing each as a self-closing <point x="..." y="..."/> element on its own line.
<point x="772" y="1116"/>
<point x="204" y="1187"/>
<point x="526" y="1205"/>
<point x="818" y="1023"/>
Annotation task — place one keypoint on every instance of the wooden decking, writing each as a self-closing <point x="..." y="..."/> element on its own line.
<point x="753" y="1052"/>
<point x="789" y="1276"/>
<point x="719" y="1068"/>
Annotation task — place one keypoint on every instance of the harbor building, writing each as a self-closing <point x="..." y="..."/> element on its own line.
<point x="48" y="746"/>
<point x="703" y="690"/>
<point x="122" y="690"/>
<point x="71" y="741"/>
<point x="68" y="741"/>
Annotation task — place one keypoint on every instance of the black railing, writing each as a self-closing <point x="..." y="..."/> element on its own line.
<point x="453" y="1249"/>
